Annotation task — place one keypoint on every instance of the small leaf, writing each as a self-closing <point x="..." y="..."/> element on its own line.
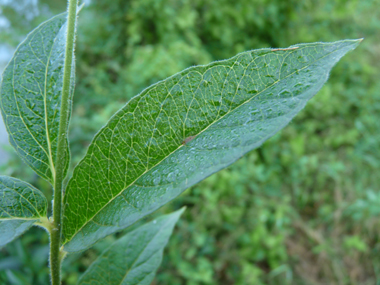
<point x="30" y="96"/>
<point x="134" y="258"/>
<point x="21" y="205"/>
<point x="181" y="130"/>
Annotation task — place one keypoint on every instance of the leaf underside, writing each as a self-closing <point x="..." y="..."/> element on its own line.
<point x="12" y="229"/>
<point x="30" y="96"/>
<point x="134" y="258"/>
<point x="20" y="206"/>
<point x="181" y="130"/>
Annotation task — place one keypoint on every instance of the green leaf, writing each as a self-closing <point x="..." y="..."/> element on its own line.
<point x="21" y="205"/>
<point x="12" y="229"/>
<point x="183" y="129"/>
<point x="30" y="96"/>
<point x="134" y="258"/>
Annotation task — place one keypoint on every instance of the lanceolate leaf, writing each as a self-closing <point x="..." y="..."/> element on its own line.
<point x="20" y="206"/>
<point x="181" y="130"/>
<point x="30" y="96"/>
<point x="134" y="258"/>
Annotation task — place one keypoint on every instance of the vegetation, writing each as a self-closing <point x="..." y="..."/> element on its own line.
<point x="303" y="208"/>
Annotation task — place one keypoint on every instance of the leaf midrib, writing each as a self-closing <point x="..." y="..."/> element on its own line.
<point x="18" y="218"/>
<point x="52" y="167"/>
<point x="248" y="100"/>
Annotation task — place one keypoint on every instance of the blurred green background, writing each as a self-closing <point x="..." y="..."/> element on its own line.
<point x="302" y="209"/>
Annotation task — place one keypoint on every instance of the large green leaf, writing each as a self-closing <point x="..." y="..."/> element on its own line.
<point x="30" y="96"/>
<point x="134" y="258"/>
<point x="20" y="206"/>
<point x="181" y="130"/>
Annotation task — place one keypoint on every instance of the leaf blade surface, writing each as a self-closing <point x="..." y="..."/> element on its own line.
<point x="183" y="129"/>
<point x="20" y="206"/>
<point x="134" y="258"/>
<point x="30" y="96"/>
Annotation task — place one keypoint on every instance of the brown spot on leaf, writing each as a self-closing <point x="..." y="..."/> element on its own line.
<point x="188" y="139"/>
<point x="276" y="49"/>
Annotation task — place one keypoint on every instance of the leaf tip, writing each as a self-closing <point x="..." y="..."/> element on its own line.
<point x="179" y="212"/>
<point x="354" y="42"/>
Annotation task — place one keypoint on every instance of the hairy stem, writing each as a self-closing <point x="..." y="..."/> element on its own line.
<point x="55" y="238"/>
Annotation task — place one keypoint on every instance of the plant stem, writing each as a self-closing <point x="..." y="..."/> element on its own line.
<point x="55" y="238"/>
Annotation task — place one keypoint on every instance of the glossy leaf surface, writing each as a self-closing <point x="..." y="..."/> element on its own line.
<point x="30" y="96"/>
<point x="20" y="206"/>
<point x="134" y="258"/>
<point x="181" y="130"/>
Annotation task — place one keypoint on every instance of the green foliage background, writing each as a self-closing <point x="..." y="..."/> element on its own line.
<point x="302" y="209"/>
